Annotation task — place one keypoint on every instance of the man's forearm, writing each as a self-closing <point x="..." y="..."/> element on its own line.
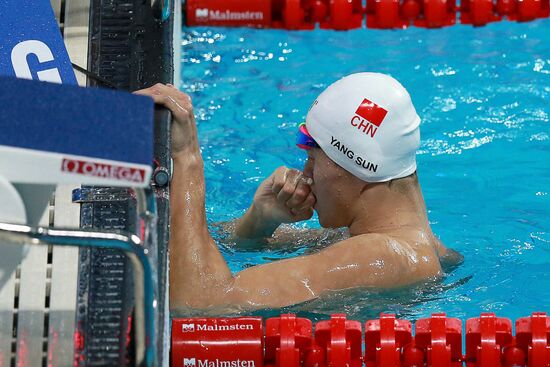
<point x="199" y="275"/>
<point x="252" y="225"/>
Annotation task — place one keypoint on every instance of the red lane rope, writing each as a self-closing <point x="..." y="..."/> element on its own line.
<point x="350" y="14"/>
<point x="290" y="341"/>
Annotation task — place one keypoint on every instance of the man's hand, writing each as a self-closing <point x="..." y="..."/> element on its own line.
<point x="198" y="271"/>
<point x="184" y="133"/>
<point x="284" y="197"/>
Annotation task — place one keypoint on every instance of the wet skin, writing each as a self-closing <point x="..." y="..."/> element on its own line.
<point x="390" y="245"/>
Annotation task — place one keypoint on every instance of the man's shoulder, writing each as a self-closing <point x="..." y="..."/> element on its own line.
<point x="370" y="240"/>
<point x="370" y="244"/>
<point x="412" y="259"/>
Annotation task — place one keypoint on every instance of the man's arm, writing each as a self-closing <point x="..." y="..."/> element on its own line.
<point x="284" y="197"/>
<point x="199" y="275"/>
<point x="198" y="271"/>
<point x="287" y="238"/>
<point x="369" y="261"/>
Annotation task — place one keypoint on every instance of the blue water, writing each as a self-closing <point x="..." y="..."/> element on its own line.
<point x="483" y="95"/>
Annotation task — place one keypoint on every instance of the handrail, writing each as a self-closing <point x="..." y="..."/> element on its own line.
<point x="131" y="245"/>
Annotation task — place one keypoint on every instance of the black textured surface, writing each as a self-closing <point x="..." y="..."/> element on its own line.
<point x="132" y="49"/>
<point x="162" y="193"/>
<point x="105" y="297"/>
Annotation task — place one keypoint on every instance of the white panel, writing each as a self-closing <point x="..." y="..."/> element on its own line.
<point x="67" y="214"/>
<point x="32" y="298"/>
<point x="56" y="6"/>
<point x="30" y="325"/>
<point x="12" y="210"/>
<point x="30" y="170"/>
<point x="77" y="16"/>
<point x="63" y="284"/>
<point x="6" y="321"/>
<point x="36" y="199"/>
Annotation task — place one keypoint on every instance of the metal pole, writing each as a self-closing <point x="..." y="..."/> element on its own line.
<point x="131" y="246"/>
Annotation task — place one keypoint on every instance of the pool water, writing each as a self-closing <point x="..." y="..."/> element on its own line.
<point x="484" y="163"/>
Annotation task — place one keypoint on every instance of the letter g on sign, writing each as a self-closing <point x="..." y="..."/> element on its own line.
<point x="21" y="67"/>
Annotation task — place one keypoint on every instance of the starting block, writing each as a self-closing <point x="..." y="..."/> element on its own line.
<point x="62" y="134"/>
<point x="56" y="134"/>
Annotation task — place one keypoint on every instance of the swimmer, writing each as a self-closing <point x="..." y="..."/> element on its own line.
<point x="361" y="136"/>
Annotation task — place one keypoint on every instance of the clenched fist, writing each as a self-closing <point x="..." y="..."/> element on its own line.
<point x="285" y="197"/>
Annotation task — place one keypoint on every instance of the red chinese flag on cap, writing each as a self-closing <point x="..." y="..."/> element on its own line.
<point x="371" y="112"/>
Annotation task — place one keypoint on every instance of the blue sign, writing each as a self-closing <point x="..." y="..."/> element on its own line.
<point x="31" y="46"/>
<point x="88" y="122"/>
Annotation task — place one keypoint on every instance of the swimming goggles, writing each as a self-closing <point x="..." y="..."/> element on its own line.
<point x="304" y="139"/>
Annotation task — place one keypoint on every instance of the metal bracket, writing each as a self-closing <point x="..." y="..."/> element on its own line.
<point x="132" y="247"/>
<point x="161" y="9"/>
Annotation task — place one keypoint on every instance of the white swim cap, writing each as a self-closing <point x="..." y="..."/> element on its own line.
<point x="367" y="124"/>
